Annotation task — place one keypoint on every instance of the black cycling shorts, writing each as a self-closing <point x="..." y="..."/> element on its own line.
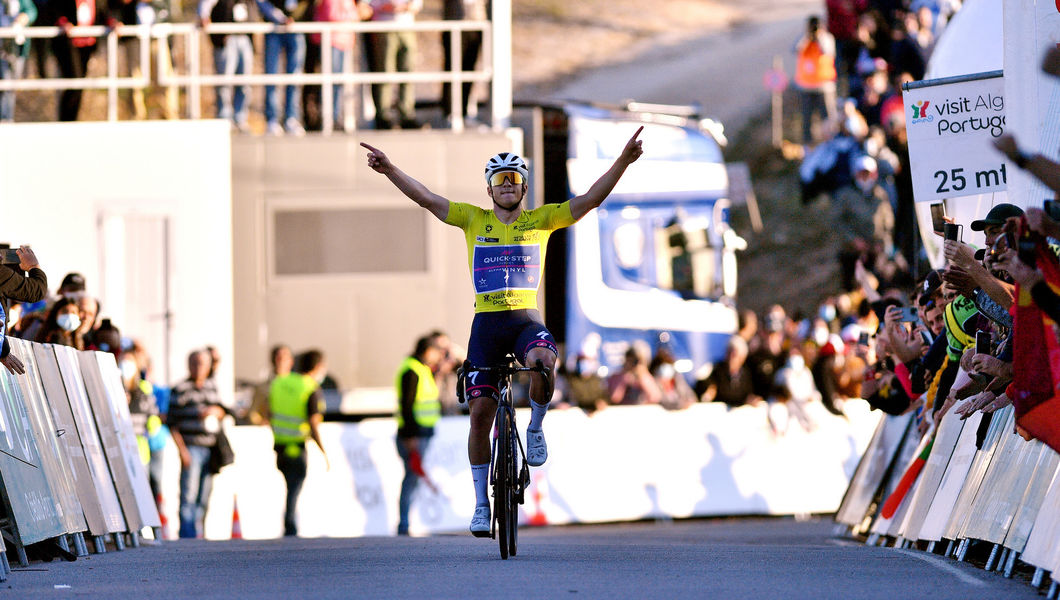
<point x="494" y="335"/>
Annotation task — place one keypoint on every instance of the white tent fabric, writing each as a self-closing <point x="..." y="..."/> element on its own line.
<point x="971" y="43"/>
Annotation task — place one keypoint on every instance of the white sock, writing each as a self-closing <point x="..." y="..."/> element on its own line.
<point x="537" y="414"/>
<point x="481" y="475"/>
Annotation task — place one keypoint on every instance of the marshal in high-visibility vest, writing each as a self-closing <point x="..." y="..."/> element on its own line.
<point x="426" y="408"/>
<point x="289" y="398"/>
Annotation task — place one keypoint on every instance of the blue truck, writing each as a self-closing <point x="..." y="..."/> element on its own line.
<point x="656" y="262"/>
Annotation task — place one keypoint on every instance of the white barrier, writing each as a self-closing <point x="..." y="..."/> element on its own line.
<point x="1006" y="492"/>
<point x="622" y="463"/>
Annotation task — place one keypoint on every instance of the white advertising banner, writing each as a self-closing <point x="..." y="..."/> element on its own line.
<point x="619" y="464"/>
<point x="950" y="124"/>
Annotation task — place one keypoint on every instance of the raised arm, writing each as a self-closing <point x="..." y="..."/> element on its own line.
<point x="437" y="205"/>
<point x="581" y="205"/>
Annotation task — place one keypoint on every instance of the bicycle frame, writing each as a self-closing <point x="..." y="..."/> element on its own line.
<point x="509" y="471"/>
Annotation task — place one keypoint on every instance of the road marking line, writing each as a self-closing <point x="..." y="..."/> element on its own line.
<point x="942" y="564"/>
<point x="930" y="559"/>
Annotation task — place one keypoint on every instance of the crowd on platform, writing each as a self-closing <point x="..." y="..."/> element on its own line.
<point x="234" y="53"/>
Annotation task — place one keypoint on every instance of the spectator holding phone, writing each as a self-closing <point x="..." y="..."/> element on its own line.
<point x="22" y="280"/>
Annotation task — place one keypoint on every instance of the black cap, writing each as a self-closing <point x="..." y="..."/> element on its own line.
<point x="73" y="282"/>
<point x="997" y="216"/>
<point x="929" y="286"/>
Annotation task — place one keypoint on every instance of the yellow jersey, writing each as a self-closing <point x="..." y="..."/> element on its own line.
<point x="506" y="261"/>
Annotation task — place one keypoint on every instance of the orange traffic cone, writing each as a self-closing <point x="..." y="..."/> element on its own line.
<point x="538" y="519"/>
<point x="163" y="522"/>
<point x="237" y="529"/>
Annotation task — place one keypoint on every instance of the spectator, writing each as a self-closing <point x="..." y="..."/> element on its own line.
<point x="445" y="372"/>
<point x="16" y="13"/>
<point x="843" y="26"/>
<point x="281" y="361"/>
<point x="292" y="46"/>
<point x="794" y="385"/>
<point x="674" y="392"/>
<point x="470" y="48"/>
<point x="72" y="53"/>
<point x="144" y="12"/>
<point x="815" y="76"/>
<point x="233" y="54"/>
<point x="393" y="52"/>
<point x="107" y="338"/>
<point x="296" y="409"/>
<point x="63" y="325"/>
<point x="73" y="285"/>
<point x="418" y="412"/>
<point x="143" y="411"/>
<point x="862" y="209"/>
<point x="88" y="310"/>
<point x="24" y="282"/>
<point x="331" y="11"/>
<point x="584" y="386"/>
<point x="215" y="361"/>
<point x="633" y="384"/>
<point x="194" y="418"/>
<point x="12" y="363"/>
<point x="730" y="381"/>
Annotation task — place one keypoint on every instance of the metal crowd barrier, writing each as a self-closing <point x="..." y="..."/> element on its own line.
<point x="982" y="483"/>
<point x="191" y="76"/>
<point x="70" y="469"/>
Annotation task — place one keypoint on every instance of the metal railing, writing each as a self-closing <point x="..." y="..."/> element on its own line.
<point x="192" y="79"/>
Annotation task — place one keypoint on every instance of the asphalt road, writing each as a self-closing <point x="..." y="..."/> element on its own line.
<point x="723" y="72"/>
<point x="733" y="558"/>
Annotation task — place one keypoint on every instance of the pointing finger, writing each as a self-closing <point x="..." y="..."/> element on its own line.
<point x="639" y="129"/>
<point x="373" y="149"/>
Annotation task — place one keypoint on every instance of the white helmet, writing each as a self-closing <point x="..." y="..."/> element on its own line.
<point x="506" y="161"/>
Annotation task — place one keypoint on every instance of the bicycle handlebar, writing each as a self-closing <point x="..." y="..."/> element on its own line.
<point x="506" y="370"/>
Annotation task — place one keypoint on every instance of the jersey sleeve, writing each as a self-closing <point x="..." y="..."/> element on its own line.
<point x="459" y="214"/>
<point x="558" y="216"/>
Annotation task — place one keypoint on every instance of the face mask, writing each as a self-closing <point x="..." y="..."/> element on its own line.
<point x="666" y="371"/>
<point x="68" y="321"/>
<point x="820" y="336"/>
<point x="865" y="185"/>
<point x="128" y="369"/>
<point x="797" y="363"/>
<point x="827" y="313"/>
<point x="586" y="367"/>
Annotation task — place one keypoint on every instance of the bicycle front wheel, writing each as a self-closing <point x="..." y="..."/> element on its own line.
<point x="513" y="485"/>
<point x="502" y="482"/>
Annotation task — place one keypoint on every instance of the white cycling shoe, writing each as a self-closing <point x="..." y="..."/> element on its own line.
<point x="536" y="450"/>
<point x="480" y="522"/>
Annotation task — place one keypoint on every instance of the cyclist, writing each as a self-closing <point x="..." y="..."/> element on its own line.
<point x="506" y="255"/>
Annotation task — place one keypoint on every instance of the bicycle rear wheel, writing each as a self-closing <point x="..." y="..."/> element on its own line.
<point x="502" y="483"/>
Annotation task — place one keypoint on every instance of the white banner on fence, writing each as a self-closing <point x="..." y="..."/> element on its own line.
<point x="622" y="463"/>
<point x="950" y="126"/>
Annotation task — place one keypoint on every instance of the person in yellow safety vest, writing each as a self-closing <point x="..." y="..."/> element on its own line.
<point x="418" y="411"/>
<point x="815" y="76"/>
<point x="296" y="407"/>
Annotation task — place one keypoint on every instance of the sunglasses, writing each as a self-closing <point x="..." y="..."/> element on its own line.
<point x="511" y="176"/>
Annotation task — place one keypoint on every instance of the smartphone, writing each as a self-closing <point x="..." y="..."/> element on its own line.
<point x="909" y="315"/>
<point x="952" y="231"/>
<point x="938" y="214"/>
<point x="9" y="256"/>
<point x="863" y="339"/>
<point x="982" y="342"/>
<point x="1052" y="208"/>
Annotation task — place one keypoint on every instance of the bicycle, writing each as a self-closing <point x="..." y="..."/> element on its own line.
<point x="509" y="472"/>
